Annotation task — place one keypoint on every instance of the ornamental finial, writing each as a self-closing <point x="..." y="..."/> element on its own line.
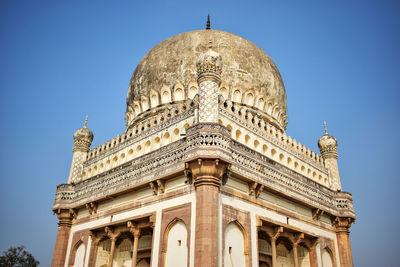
<point x="85" y="124"/>
<point x="208" y="27"/>
<point x="326" y="129"/>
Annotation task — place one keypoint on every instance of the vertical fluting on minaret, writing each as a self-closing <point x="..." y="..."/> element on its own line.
<point x="83" y="138"/>
<point x="328" y="147"/>
<point x="209" y="68"/>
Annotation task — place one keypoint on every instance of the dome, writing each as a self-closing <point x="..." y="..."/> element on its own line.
<point x="246" y="69"/>
<point x="83" y="138"/>
<point x="328" y="145"/>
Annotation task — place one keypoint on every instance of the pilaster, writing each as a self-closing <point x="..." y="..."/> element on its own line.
<point x="207" y="175"/>
<point x="343" y="238"/>
<point x="64" y="228"/>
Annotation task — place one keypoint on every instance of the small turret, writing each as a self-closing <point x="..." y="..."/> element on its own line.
<point x="328" y="147"/>
<point x="209" y="68"/>
<point x="83" y="138"/>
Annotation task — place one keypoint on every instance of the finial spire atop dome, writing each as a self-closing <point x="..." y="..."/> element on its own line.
<point x="85" y="124"/>
<point x="208" y="27"/>
<point x="326" y="129"/>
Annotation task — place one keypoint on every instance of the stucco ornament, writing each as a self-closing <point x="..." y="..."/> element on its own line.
<point x="328" y="145"/>
<point x="83" y="138"/>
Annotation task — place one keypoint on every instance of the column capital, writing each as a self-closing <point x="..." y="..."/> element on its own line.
<point x="296" y="239"/>
<point x="208" y="171"/>
<point x="64" y="216"/>
<point x="134" y="229"/>
<point x="109" y="232"/>
<point x="342" y="224"/>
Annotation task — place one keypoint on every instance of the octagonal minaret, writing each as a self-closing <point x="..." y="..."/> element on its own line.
<point x="209" y="68"/>
<point x="83" y="138"/>
<point x="328" y="147"/>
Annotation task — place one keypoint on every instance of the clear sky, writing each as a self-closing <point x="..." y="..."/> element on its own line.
<point x="61" y="60"/>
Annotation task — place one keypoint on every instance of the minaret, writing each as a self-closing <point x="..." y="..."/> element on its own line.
<point x="209" y="68"/>
<point x="83" y="138"/>
<point x="328" y="147"/>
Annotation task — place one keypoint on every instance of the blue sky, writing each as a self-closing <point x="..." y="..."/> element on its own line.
<point x="61" y="60"/>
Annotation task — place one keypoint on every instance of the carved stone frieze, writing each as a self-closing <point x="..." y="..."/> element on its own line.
<point x="206" y="141"/>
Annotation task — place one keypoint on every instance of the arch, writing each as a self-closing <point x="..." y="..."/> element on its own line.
<point x="145" y="103"/>
<point x="265" y="149"/>
<point x="193" y="90"/>
<point x="122" y="156"/>
<point x="175" y="135"/>
<point x="327" y="257"/>
<point x="156" y="143"/>
<point x="165" y="94"/>
<point x="249" y="98"/>
<point x="147" y="147"/>
<point x="237" y="96"/>
<point x="154" y="99"/>
<point x="281" y="158"/>
<point x="234" y="248"/>
<point x="103" y="252"/>
<point x="176" y="250"/>
<point x="260" y="103"/>
<point x="186" y="126"/>
<point x="238" y="135"/>
<point x="247" y="139"/>
<point x="136" y="107"/>
<point x="139" y="150"/>
<point x="122" y="254"/>
<point x="179" y="94"/>
<point x="303" y="256"/>
<point x="296" y="165"/>
<point x="130" y="153"/>
<point x="224" y="92"/>
<point x="273" y="153"/>
<point x="256" y="145"/>
<point x="166" y="138"/>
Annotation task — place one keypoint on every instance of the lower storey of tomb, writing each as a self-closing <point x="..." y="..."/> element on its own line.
<point x="163" y="230"/>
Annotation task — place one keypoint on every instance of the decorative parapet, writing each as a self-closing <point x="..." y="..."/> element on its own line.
<point x="166" y="160"/>
<point x="246" y="118"/>
<point x="205" y="140"/>
<point x="164" y="117"/>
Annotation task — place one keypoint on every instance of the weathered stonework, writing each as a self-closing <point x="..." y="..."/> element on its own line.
<point x="205" y="174"/>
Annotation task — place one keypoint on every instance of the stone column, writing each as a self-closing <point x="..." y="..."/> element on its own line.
<point x="64" y="228"/>
<point x="273" y="235"/>
<point x="207" y="174"/>
<point x="136" y="234"/>
<point x="343" y="238"/>
<point x="113" y="237"/>
<point x="93" y="249"/>
<point x="273" y="249"/>
<point x="313" y="253"/>
<point x="295" y="242"/>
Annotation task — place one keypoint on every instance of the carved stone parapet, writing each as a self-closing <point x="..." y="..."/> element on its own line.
<point x="208" y="171"/>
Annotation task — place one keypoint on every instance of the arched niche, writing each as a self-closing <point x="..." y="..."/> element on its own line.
<point x="327" y="258"/>
<point x="234" y="252"/>
<point x="80" y="255"/>
<point x="123" y="252"/>
<point x="177" y="247"/>
<point x="103" y="252"/>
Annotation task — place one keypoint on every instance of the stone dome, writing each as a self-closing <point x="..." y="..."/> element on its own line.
<point x="83" y="138"/>
<point x="246" y="69"/>
<point x="327" y="145"/>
